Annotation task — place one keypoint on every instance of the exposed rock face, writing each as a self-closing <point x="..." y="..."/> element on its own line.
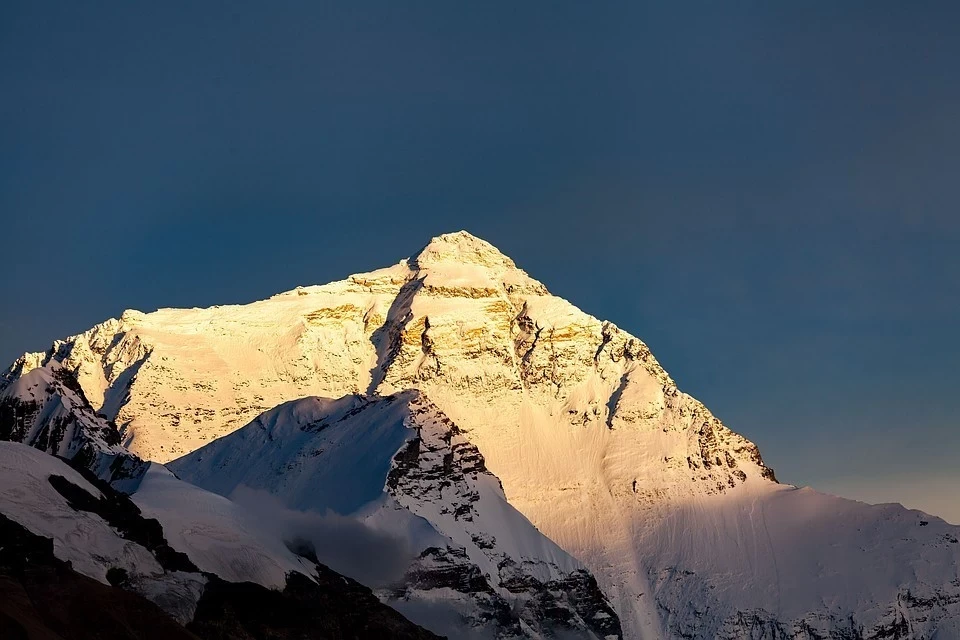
<point x="327" y="607"/>
<point x="475" y="558"/>
<point x="441" y="476"/>
<point x="590" y="437"/>
<point x="46" y="408"/>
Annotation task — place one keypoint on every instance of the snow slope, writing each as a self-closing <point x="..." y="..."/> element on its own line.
<point x="55" y="524"/>
<point x="218" y="535"/>
<point x="399" y="464"/>
<point x="85" y="539"/>
<point x="757" y="559"/>
<point x="591" y="438"/>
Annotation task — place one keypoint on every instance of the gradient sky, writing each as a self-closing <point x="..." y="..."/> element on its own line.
<point x="767" y="195"/>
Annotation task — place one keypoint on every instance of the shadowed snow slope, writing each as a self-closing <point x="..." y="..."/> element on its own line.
<point x="218" y="535"/>
<point x="50" y="499"/>
<point x="591" y="438"/>
<point x="63" y="531"/>
<point x="400" y="465"/>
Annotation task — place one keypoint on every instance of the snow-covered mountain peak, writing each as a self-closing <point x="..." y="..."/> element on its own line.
<point x="463" y="248"/>
<point x="590" y="436"/>
<point x="462" y="265"/>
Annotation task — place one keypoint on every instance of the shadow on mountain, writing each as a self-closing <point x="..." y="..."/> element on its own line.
<point x="43" y="598"/>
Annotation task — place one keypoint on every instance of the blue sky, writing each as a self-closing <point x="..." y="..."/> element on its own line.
<point x="766" y="194"/>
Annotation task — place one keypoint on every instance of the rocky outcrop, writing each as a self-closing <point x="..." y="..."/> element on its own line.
<point x="46" y="408"/>
<point x="326" y="607"/>
<point x="439" y="471"/>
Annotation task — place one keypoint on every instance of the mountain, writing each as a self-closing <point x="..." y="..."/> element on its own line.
<point x="678" y="517"/>
<point x="94" y="531"/>
<point x="398" y="460"/>
<point x="81" y="560"/>
<point x="405" y="467"/>
<point x="46" y="408"/>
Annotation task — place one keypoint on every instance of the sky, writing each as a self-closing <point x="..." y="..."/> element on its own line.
<point x="765" y="193"/>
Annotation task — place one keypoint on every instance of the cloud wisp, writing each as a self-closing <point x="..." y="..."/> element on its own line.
<point x="345" y="544"/>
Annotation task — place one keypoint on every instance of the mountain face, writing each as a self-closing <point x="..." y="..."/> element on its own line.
<point x="404" y="466"/>
<point x="685" y="528"/>
<point x="46" y="408"/>
<point x="81" y="560"/>
<point x="397" y="460"/>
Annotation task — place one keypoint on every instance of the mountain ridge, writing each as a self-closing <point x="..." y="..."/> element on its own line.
<point x="79" y="559"/>
<point x="590" y="437"/>
<point x="398" y="463"/>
